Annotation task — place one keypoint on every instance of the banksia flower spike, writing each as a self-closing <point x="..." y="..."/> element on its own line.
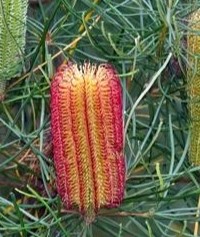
<point x="12" y="39"/>
<point x="87" y="131"/>
<point x="193" y="74"/>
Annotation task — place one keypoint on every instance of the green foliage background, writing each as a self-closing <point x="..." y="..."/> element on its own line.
<point x="146" y="41"/>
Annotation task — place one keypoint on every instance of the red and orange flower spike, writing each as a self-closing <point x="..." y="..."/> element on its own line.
<point x="87" y="131"/>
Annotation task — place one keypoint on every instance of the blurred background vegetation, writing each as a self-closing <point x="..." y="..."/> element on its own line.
<point x="146" y="41"/>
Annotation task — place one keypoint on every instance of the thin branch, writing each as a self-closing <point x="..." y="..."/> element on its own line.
<point x="196" y="226"/>
<point x="125" y="214"/>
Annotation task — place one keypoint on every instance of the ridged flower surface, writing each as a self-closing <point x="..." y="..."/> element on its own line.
<point x="87" y="131"/>
<point x="193" y="42"/>
<point x="12" y="39"/>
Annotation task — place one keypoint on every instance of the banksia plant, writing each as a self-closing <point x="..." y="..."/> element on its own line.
<point x="193" y="42"/>
<point x="12" y="39"/>
<point x="87" y="131"/>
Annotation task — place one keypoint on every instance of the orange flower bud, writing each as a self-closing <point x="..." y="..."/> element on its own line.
<point x="87" y="131"/>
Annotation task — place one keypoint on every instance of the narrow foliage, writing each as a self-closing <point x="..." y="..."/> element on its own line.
<point x="87" y="130"/>
<point x="193" y="42"/>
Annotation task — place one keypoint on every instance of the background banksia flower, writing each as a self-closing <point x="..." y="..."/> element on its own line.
<point x="12" y="39"/>
<point x="193" y="42"/>
<point x="87" y="130"/>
